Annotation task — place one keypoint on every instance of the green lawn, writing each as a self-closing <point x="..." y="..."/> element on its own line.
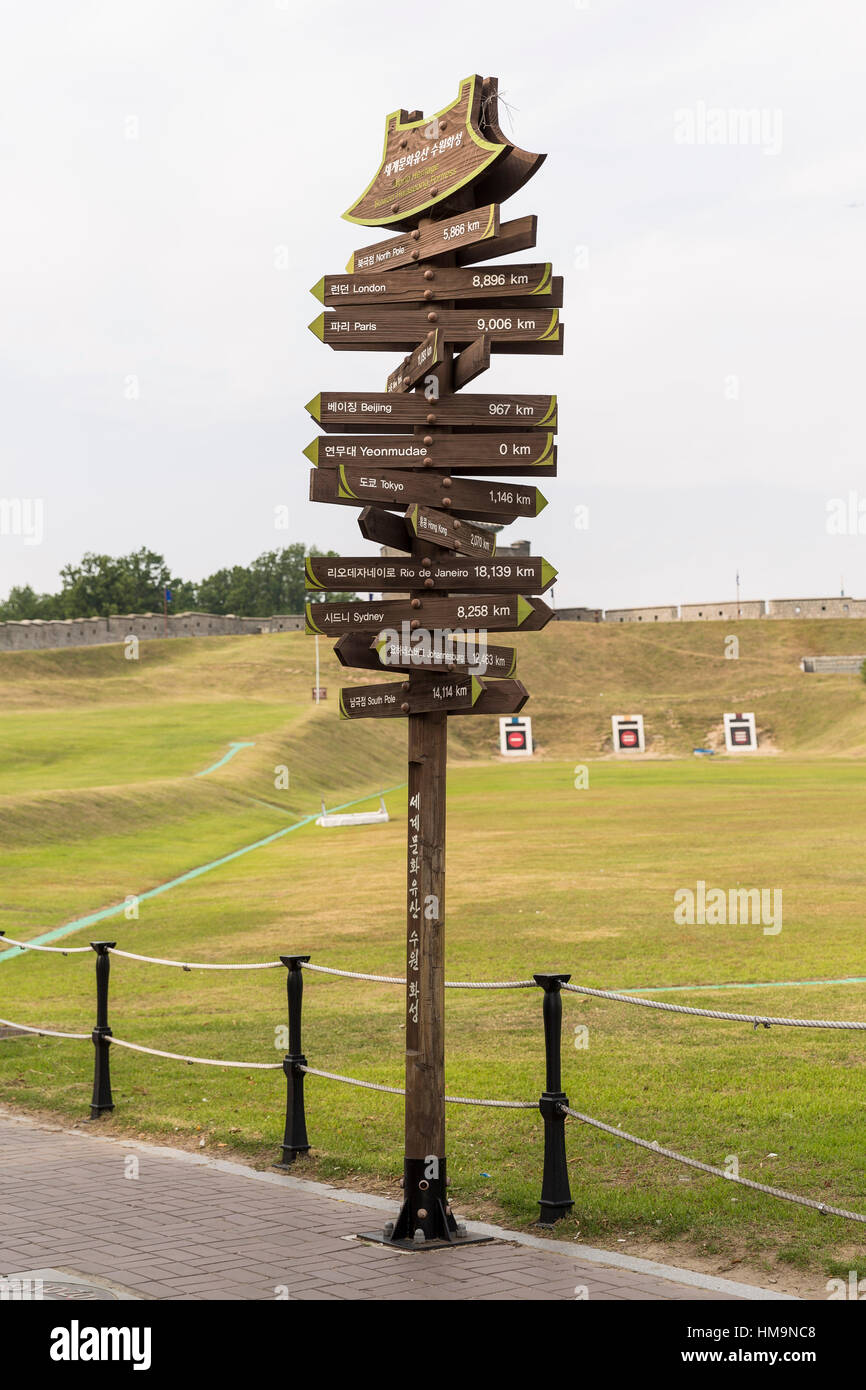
<point x="540" y="876"/>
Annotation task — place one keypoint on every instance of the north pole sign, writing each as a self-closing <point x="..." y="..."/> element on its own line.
<point x="442" y="294"/>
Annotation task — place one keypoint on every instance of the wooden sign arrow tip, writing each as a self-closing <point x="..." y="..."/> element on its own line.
<point x="314" y="408"/>
<point x="317" y="328"/>
<point x="318" y="290"/>
<point x="312" y="451"/>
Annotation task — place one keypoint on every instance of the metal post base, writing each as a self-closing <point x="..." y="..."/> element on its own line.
<point x="382" y="1237"/>
<point x="425" y="1220"/>
<point x="288" y="1161"/>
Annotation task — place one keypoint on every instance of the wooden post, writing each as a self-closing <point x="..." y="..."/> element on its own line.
<point x="425" y="1209"/>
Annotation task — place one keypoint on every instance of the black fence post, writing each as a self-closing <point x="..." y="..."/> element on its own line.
<point x="556" y="1199"/>
<point x="295" y="1139"/>
<point x="101" y="1046"/>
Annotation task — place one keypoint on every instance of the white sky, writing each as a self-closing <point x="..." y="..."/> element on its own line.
<point x="259" y="122"/>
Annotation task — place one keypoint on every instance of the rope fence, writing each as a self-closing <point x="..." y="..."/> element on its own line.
<point x="758" y="1020"/>
<point x="553" y="1103"/>
<point x="655" y="1147"/>
<point x="401" y="1091"/>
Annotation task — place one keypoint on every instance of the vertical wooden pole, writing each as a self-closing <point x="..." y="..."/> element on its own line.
<point x="425" y="1210"/>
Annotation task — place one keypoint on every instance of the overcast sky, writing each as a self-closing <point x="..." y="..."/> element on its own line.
<point x="173" y="174"/>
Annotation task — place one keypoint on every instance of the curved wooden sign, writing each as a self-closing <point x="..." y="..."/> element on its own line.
<point x="426" y="162"/>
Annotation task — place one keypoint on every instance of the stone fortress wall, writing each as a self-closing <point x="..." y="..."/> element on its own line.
<point x="729" y="610"/>
<point x="37" y="634"/>
<point x="91" y="632"/>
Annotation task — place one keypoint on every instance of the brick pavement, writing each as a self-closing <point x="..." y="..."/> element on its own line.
<point x="187" y="1227"/>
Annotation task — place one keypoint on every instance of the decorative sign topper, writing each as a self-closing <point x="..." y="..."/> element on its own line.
<point x="425" y="162"/>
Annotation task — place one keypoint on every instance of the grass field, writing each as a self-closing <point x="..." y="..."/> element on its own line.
<point x="99" y="799"/>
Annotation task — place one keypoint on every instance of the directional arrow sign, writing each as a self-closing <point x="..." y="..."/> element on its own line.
<point x="471" y="362"/>
<point x="426" y="356"/>
<point x="373" y="411"/>
<point x="518" y="235"/>
<point x="449" y="532"/>
<point x="533" y="454"/>
<point x="498" y="613"/>
<point x="420" y="694"/>
<point x="488" y="500"/>
<point x="420" y="282"/>
<point x="529" y="574"/>
<point x="432" y="240"/>
<point x="388" y="329"/>
<point x="421" y="650"/>
<point x="385" y="528"/>
<point x="498" y="697"/>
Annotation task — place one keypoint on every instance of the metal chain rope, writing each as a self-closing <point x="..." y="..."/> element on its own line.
<point x="43" y="1032"/>
<point x="656" y="1148"/>
<point x="399" y="1091"/>
<point x="765" y="1020"/>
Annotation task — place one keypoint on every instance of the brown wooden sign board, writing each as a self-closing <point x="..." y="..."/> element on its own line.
<point x="431" y="283"/>
<point x="421" y="693"/>
<point x="484" y="499"/>
<point x="507" y="175"/>
<point x="518" y="235"/>
<point x="434" y="239"/>
<point x="376" y="411"/>
<point x="532" y="454"/>
<point x="430" y="694"/>
<point x="427" y="355"/>
<point x="472" y="361"/>
<point x="421" y="650"/>
<point x="480" y="613"/>
<point x="426" y="161"/>
<point x="528" y="574"/>
<point x="390" y="328"/>
<point x="449" y="532"/>
<point x="498" y="697"/>
<point x="385" y="528"/>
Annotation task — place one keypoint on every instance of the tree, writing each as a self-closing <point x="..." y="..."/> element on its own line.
<point x="134" y="583"/>
<point x="100" y="585"/>
<point x="23" y="602"/>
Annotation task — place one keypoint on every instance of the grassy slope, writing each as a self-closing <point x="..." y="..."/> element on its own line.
<point x="580" y="880"/>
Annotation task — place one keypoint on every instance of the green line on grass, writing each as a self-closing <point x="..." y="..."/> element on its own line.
<point x="106" y="912"/>
<point x="233" y="748"/>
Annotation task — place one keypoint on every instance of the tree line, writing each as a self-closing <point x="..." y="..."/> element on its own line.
<point x="103" y="584"/>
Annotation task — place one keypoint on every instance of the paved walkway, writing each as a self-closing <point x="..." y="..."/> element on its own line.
<point x="190" y="1227"/>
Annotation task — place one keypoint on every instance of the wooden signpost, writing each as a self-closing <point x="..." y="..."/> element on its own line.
<point x="399" y="455"/>
<point x="504" y="576"/>
<point x="371" y="411"/>
<point x="420" y="283"/>
<point x="491" y="500"/>
<point x="531" y="454"/>
<point x="391" y="328"/>
<point x="486" y="612"/>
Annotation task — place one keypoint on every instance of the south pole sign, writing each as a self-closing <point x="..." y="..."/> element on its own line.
<point x="430" y="293"/>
